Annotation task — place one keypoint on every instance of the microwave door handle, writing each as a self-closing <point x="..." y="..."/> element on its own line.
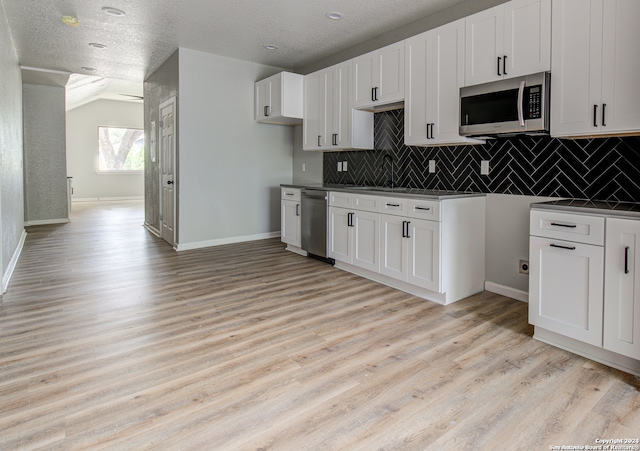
<point x="520" y="103"/>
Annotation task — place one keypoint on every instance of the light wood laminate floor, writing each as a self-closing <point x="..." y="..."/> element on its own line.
<point x="110" y="339"/>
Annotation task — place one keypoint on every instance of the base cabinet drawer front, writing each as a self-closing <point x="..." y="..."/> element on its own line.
<point x="338" y="199"/>
<point x="566" y="288"/>
<point x="291" y="223"/>
<point x="424" y="209"/>
<point x="567" y="226"/>
<point x="291" y="194"/>
<point x="622" y="288"/>
<point x="367" y="203"/>
<point x="394" y="206"/>
<point x="424" y="254"/>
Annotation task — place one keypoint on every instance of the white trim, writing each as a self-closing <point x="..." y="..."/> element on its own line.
<point x="12" y="263"/>
<point x="96" y="199"/>
<point x="46" y="221"/>
<point x="152" y="229"/>
<point x="509" y="292"/>
<point x="221" y="241"/>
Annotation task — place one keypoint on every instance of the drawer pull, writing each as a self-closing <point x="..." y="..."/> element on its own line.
<point x="393" y="205"/>
<point x="626" y="260"/>
<point x="288" y="194"/>
<point x="569" y="248"/>
<point x="569" y="226"/>
<point x="423" y="208"/>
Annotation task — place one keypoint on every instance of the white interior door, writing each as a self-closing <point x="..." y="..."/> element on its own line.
<point x="167" y="165"/>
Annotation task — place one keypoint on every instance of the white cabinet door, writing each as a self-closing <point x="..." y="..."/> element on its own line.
<point x="378" y="77"/>
<point x="434" y="73"/>
<point x="262" y="98"/>
<point x="566" y="288"/>
<point x="393" y="247"/>
<point x="508" y="40"/>
<point x="340" y="234"/>
<point x="621" y="66"/>
<point x="366" y="252"/>
<point x="484" y="45"/>
<point x="313" y="111"/>
<point x="622" y="288"/>
<point x="342" y="105"/>
<point x="424" y="254"/>
<point x="576" y="66"/>
<point x="290" y="223"/>
<point x="527" y="37"/>
<point x="275" y="89"/>
<point x="594" y="88"/>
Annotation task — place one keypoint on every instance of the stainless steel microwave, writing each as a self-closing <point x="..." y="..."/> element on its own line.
<point x="512" y="106"/>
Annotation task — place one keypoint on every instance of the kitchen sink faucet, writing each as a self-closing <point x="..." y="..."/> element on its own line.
<point x="390" y="182"/>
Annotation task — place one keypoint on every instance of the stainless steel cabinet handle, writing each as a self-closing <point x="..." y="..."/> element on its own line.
<point x="569" y="248"/>
<point x="569" y="226"/>
<point x="521" y="103"/>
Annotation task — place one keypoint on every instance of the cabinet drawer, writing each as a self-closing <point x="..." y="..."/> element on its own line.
<point x="394" y="206"/>
<point x="338" y="199"/>
<point x="291" y="194"/>
<point x="567" y="226"/>
<point x="424" y="209"/>
<point x="366" y="203"/>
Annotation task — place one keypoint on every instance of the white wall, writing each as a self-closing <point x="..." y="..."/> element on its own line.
<point x="82" y="149"/>
<point x="11" y="162"/>
<point x="229" y="166"/>
<point x="311" y="160"/>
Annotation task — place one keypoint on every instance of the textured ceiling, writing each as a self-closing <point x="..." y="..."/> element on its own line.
<point x="152" y="30"/>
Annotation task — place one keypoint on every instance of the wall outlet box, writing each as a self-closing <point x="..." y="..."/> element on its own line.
<point x="339" y="166"/>
<point x="432" y="166"/>
<point x="344" y="166"/>
<point x="304" y="167"/>
<point x="523" y="266"/>
<point x="484" y="167"/>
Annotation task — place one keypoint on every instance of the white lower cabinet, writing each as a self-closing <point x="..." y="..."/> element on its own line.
<point x="354" y="237"/>
<point x="430" y="248"/>
<point x="622" y="288"/>
<point x="290" y="219"/>
<point x="410" y="250"/>
<point x="584" y="289"/>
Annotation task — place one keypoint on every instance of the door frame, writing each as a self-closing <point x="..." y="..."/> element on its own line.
<point x="169" y="102"/>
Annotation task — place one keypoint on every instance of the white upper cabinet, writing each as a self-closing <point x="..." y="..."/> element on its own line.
<point x="278" y="99"/>
<point x="509" y="40"/>
<point x="434" y="73"/>
<point x="595" y="67"/>
<point x="378" y="78"/>
<point x="329" y="121"/>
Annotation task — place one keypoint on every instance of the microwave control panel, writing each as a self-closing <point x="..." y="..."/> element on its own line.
<point x="533" y="102"/>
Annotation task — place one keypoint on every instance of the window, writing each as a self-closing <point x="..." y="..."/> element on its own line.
<point x="120" y="149"/>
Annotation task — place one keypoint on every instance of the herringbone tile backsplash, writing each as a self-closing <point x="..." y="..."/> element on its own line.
<point x="599" y="169"/>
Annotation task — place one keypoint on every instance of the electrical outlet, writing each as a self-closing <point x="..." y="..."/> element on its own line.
<point x="484" y="167"/>
<point x="344" y="166"/>
<point x="304" y="167"/>
<point x="523" y="267"/>
<point x="339" y="166"/>
<point x="432" y="166"/>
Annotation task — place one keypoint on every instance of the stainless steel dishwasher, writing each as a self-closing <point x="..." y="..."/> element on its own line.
<point x="315" y="223"/>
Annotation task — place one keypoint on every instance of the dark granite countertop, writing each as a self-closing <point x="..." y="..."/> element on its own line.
<point x="384" y="191"/>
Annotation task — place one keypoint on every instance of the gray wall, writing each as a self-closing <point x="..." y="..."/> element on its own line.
<point x="230" y="167"/>
<point x="158" y="87"/>
<point x="82" y="150"/>
<point x="11" y="138"/>
<point x="45" y="161"/>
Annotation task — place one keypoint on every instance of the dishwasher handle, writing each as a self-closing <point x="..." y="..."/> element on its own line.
<point x="314" y="194"/>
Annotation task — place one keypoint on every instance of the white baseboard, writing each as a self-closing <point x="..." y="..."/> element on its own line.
<point x="152" y="229"/>
<point x="98" y="199"/>
<point x="12" y="263"/>
<point x="222" y="241"/>
<point x="509" y="292"/>
<point x="46" y="221"/>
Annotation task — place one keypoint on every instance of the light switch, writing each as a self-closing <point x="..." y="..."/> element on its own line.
<point x="432" y="166"/>
<point x="484" y="167"/>
<point x="344" y="166"/>
<point x="339" y="166"/>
